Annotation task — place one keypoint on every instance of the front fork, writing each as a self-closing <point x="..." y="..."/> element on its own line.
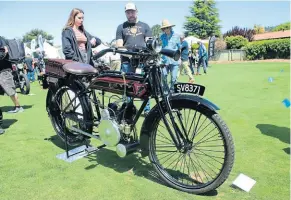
<point x="178" y="138"/>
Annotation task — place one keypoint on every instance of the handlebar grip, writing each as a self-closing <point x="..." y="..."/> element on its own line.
<point x="102" y="53"/>
<point x="175" y="54"/>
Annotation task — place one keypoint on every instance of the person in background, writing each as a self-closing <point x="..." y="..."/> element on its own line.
<point x="170" y="40"/>
<point x="77" y="43"/>
<point x="1" y="118"/>
<point x="115" y="62"/>
<point x="130" y="34"/>
<point x="195" y="58"/>
<point x="6" y="78"/>
<point x="191" y="61"/>
<point x="202" y="58"/>
<point x="29" y="65"/>
<point x="184" y="59"/>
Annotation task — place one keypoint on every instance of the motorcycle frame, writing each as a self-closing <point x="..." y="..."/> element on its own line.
<point x="153" y="78"/>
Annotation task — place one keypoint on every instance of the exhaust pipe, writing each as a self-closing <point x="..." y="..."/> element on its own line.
<point x="123" y="150"/>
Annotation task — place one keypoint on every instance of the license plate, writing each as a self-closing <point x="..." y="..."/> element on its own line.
<point x="189" y="88"/>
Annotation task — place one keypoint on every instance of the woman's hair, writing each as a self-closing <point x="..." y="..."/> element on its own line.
<point x="71" y="20"/>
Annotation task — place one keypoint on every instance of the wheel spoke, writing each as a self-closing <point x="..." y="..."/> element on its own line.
<point x="163" y="136"/>
<point x="208" y="156"/>
<point x="193" y="163"/>
<point x="194" y="132"/>
<point x="197" y="156"/>
<point x="199" y="142"/>
<point x="193" y="120"/>
<point x="173" y="161"/>
<point x="202" y="170"/>
<point x="205" y="135"/>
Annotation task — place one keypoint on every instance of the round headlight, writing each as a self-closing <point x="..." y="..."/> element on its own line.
<point x="154" y="45"/>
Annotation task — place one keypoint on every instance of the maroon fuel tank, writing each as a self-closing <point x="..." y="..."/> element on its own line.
<point x="113" y="82"/>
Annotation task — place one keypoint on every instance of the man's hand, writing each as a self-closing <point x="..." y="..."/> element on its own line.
<point x="119" y="43"/>
<point x="5" y="49"/>
<point x="93" y="41"/>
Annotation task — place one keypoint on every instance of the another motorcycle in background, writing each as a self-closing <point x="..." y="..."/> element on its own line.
<point x="20" y="78"/>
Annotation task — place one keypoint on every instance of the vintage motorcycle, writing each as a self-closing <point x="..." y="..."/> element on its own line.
<point x="20" y="79"/>
<point x="187" y="142"/>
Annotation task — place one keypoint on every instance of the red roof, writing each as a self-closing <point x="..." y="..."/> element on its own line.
<point x="272" y="35"/>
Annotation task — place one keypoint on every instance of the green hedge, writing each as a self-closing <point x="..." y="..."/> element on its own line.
<point x="268" y="49"/>
<point x="236" y="42"/>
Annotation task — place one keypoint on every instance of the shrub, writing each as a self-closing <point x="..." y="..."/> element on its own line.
<point x="245" y="32"/>
<point x="220" y="44"/>
<point x="268" y="49"/>
<point x="236" y="42"/>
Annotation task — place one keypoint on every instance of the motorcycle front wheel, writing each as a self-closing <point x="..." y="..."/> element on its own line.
<point x="205" y="158"/>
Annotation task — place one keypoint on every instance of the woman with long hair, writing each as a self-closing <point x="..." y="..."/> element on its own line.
<point x="77" y="43"/>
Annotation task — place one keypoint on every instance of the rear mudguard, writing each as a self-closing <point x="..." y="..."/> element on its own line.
<point x="147" y="127"/>
<point x="55" y="85"/>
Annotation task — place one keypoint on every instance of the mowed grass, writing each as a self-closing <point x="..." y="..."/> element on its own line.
<point x="251" y="106"/>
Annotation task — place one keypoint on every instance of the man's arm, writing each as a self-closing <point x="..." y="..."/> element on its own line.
<point x="3" y="45"/>
<point x="148" y="32"/>
<point x="119" y="38"/>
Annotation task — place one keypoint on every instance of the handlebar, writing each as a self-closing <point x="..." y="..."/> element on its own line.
<point x="167" y="52"/>
<point x="171" y="53"/>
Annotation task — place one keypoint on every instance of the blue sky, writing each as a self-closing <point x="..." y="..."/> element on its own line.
<point x="103" y="17"/>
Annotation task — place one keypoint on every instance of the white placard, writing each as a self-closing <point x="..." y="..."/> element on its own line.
<point x="244" y="182"/>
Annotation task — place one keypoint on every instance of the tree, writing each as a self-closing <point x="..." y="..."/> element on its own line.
<point x="269" y="28"/>
<point x="259" y="29"/>
<point x="156" y="30"/>
<point x="204" y="19"/>
<point x="33" y="35"/>
<point x="282" y="27"/>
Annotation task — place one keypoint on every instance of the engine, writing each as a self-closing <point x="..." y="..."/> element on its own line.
<point x="115" y="123"/>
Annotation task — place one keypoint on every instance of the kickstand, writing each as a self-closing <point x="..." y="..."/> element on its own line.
<point x="79" y="150"/>
<point x="66" y="141"/>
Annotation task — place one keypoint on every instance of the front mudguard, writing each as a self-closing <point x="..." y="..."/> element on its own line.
<point x="152" y="117"/>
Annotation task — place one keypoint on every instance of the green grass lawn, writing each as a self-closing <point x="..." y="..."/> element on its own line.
<point x="251" y="106"/>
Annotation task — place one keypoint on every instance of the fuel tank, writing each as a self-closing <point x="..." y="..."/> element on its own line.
<point x="113" y="82"/>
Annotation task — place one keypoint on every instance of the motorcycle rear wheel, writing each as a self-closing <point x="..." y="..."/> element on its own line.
<point x="61" y="124"/>
<point x="217" y="161"/>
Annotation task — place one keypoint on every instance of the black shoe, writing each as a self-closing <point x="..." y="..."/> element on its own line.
<point x="1" y="130"/>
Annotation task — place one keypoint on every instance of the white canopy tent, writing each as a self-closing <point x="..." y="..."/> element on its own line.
<point x="27" y="50"/>
<point x="192" y="40"/>
<point x="51" y="51"/>
<point x="106" y="57"/>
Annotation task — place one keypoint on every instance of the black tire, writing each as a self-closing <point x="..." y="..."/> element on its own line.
<point x="53" y="108"/>
<point x="169" y="176"/>
<point x="24" y="84"/>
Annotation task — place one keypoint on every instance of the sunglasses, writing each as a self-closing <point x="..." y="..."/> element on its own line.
<point x="163" y="29"/>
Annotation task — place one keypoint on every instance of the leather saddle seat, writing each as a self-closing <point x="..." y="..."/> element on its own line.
<point x="78" y="68"/>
